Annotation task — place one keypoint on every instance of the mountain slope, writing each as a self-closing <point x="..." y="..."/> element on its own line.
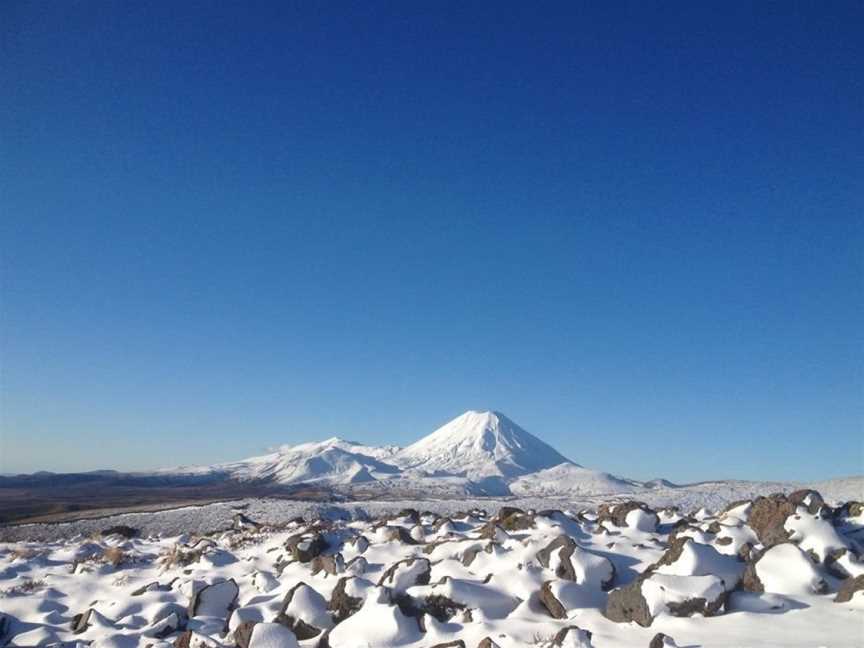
<point x="479" y="445"/>
<point x="334" y="461"/>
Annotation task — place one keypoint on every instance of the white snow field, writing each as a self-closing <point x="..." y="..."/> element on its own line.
<point x="781" y="571"/>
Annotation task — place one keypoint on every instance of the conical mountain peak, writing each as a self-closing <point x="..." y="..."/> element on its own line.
<point x="480" y="444"/>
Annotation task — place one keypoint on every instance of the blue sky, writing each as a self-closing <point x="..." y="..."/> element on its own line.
<point x="636" y="229"/>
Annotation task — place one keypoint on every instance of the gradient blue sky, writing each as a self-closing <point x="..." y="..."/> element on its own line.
<point x="636" y="229"/>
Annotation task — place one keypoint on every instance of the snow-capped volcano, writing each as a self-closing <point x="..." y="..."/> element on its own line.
<point x="481" y="453"/>
<point x="479" y="445"/>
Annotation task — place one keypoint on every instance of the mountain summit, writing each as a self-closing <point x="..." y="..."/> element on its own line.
<point x="478" y="453"/>
<point x="479" y="445"/>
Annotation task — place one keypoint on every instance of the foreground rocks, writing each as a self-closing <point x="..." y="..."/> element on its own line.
<point x="435" y="581"/>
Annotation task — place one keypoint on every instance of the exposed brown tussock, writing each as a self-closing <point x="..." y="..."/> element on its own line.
<point x="115" y="556"/>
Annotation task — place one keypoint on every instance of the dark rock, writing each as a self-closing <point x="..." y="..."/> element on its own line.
<point x="750" y="579"/>
<point x="410" y="513"/>
<point x="331" y="565"/>
<point x="299" y="627"/>
<point x="487" y="642"/>
<point x="689" y="607"/>
<point x="470" y="554"/>
<point x="80" y="622"/>
<point x="342" y="605"/>
<point x="565" y="546"/>
<point x="549" y="601"/>
<point x="458" y="643"/>
<point x="745" y="552"/>
<point x="767" y="518"/>
<point x="243" y="523"/>
<point x="816" y="502"/>
<point x="206" y="594"/>
<point x="398" y="534"/>
<point x="388" y="578"/>
<point x="442" y="607"/>
<point x="848" y="588"/>
<point x="627" y="604"/>
<point x="121" y="530"/>
<point x="834" y="568"/>
<point x="305" y="546"/>
<point x="659" y="640"/>
<point x="617" y="513"/>
<point x="561" y="636"/>
<point x="183" y="640"/>
<point x="243" y="634"/>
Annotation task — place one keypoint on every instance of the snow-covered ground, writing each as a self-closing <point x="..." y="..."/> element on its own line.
<point x="772" y="572"/>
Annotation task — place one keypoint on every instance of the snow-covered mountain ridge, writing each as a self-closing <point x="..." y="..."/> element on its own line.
<point x="478" y="452"/>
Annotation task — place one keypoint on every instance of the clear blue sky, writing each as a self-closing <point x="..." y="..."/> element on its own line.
<point x="637" y="229"/>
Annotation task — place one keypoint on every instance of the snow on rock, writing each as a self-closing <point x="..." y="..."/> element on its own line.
<point x="378" y="622"/>
<point x="523" y="576"/>
<point x="214" y="600"/>
<point x="272" y="635"/>
<point x="785" y="569"/>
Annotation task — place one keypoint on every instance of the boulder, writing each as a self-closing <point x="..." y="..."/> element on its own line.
<point x="243" y="633"/>
<point x="406" y="573"/>
<point x="214" y="600"/>
<point x="848" y="588"/>
<point x="768" y="518"/>
<point x="342" y="604"/>
<point x="654" y="594"/>
<point x="633" y="514"/>
<point x="330" y="565"/>
<point x="305" y="612"/>
<point x="305" y="546"/>
<point x="549" y="601"/>
<point x="575" y="564"/>
<point x="627" y="604"/>
<point x="783" y="569"/>
<point x="442" y="607"/>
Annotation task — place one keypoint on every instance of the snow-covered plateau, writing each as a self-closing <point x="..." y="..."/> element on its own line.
<point x="782" y="571"/>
